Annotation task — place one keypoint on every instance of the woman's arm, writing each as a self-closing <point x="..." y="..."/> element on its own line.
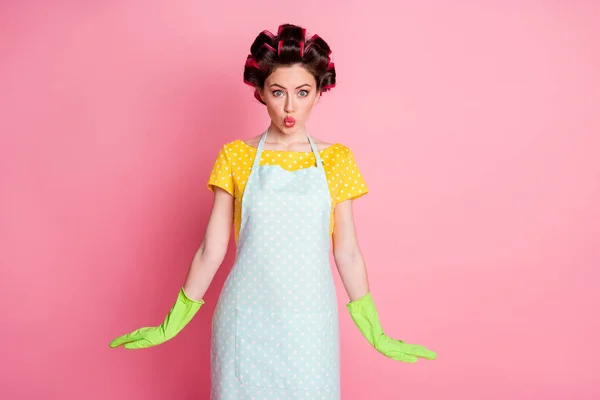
<point x="353" y="272"/>
<point x="213" y="248"/>
<point x="346" y="252"/>
<point x="205" y="264"/>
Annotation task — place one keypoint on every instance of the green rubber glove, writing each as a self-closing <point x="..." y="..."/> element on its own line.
<point x="180" y="315"/>
<point x="365" y="317"/>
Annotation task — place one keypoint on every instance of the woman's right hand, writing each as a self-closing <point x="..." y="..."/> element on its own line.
<point x="180" y="315"/>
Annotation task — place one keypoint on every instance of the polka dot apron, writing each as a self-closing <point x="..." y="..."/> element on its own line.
<point x="275" y="332"/>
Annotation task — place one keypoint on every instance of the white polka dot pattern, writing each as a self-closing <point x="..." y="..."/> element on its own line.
<point x="235" y="159"/>
<point x="275" y="331"/>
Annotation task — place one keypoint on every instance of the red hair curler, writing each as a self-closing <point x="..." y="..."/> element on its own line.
<point x="315" y="36"/>
<point x="268" y="46"/>
<point x="251" y="62"/>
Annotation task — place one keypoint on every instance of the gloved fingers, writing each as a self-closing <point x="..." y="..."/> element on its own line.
<point x="397" y="352"/>
<point x="420" y="351"/>
<point x="123" y="339"/>
<point x="404" y="357"/>
<point x="139" y="344"/>
<point x="130" y="337"/>
<point x="407" y="358"/>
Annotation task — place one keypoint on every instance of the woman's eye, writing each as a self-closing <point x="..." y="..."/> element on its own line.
<point x="303" y="93"/>
<point x="277" y="93"/>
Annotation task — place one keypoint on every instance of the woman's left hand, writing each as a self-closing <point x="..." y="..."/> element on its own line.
<point x="398" y="350"/>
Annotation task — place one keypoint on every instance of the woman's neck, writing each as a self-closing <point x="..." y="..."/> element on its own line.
<point x="275" y="136"/>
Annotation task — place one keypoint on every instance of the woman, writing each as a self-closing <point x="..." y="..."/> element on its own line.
<point x="288" y="195"/>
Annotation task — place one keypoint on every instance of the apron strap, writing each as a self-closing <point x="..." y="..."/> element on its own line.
<point x="259" y="150"/>
<point x="315" y="151"/>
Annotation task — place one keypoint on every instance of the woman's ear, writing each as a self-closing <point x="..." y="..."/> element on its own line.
<point x="317" y="98"/>
<point x="260" y="93"/>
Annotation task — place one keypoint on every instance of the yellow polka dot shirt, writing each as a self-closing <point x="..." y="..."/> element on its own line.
<point x="234" y="162"/>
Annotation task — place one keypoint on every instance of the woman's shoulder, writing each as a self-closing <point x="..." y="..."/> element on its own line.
<point x="337" y="150"/>
<point x="335" y="147"/>
<point x="236" y="146"/>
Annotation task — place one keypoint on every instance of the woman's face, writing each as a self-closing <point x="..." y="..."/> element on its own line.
<point x="290" y="94"/>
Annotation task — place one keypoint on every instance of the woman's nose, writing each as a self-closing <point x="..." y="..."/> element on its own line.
<point x="289" y="105"/>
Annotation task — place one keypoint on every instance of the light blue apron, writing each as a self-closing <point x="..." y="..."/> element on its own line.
<point x="275" y="332"/>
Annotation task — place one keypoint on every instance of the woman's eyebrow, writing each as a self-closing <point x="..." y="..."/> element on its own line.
<point x="276" y="84"/>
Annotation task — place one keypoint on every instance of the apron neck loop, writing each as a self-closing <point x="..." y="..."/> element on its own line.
<point x="259" y="150"/>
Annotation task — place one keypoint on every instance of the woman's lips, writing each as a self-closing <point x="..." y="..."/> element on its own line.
<point x="289" y="121"/>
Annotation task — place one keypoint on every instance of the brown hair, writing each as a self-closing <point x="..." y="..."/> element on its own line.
<point x="288" y="47"/>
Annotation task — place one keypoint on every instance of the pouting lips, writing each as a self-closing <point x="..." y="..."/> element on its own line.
<point x="289" y="121"/>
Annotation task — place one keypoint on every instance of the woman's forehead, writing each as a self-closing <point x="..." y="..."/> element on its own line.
<point x="290" y="76"/>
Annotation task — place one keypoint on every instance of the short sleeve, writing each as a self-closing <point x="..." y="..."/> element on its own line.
<point x="352" y="184"/>
<point x="221" y="175"/>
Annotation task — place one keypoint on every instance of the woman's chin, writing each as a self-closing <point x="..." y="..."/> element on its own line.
<point x="290" y="130"/>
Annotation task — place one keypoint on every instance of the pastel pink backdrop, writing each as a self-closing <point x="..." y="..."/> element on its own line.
<point x="476" y="126"/>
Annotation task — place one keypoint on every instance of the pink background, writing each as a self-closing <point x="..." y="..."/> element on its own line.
<point x="476" y="126"/>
